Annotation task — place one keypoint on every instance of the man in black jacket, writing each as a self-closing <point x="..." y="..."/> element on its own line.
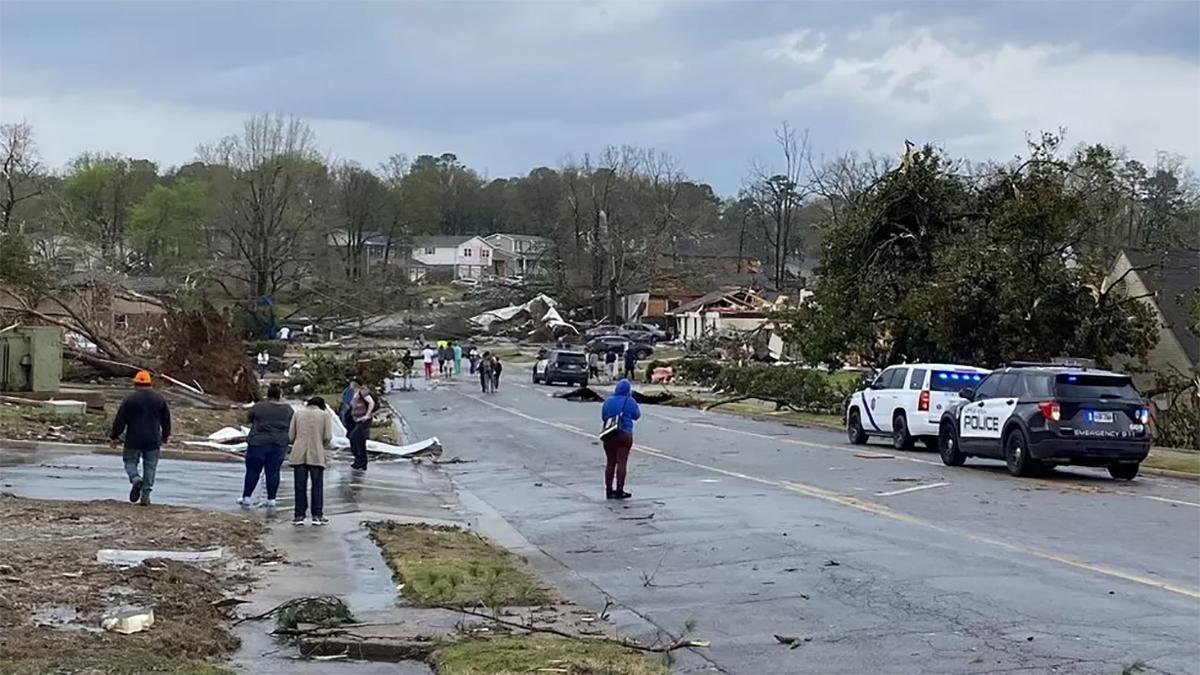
<point x="145" y="420"/>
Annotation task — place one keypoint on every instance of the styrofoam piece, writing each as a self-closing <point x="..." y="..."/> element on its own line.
<point x="131" y="557"/>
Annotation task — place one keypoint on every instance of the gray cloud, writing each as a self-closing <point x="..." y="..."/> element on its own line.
<point x="508" y="86"/>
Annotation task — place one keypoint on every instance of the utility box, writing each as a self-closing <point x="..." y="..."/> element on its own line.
<point x="31" y="359"/>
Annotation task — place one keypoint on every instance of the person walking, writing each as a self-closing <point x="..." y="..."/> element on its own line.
<point x="456" y="353"/>
<point x="310" y="432"/>
<point x="486" y="377"/>
<point x="618" y="414"/>
<point x="264" y="363"/>
<point x="473" y="359"/>
<point x="610" y="364"/>
<point x="344" y="410"/>
<point x="427" y="356"/>
<point x="630" y="363"/>
<point x="145" y="419"/>
<point x="362" y="410"/>
<point x="267" y="444"/>
<point x="593" y="363"/>
<point x="497" y="367"/>
<point x="406" y="367"/>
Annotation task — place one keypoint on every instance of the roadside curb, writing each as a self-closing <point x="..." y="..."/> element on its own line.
<point x="92" y="449"/>
<point x="1168" y="473"/>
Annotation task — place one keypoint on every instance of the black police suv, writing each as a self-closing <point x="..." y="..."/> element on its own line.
<point x="1041" y="416"/>
<point x="562" y="366"/>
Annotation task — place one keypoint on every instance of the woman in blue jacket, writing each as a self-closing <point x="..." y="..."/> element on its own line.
<point x="618" y="443"/>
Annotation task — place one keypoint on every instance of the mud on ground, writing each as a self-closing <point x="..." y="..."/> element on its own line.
<point x="53" y="593"/>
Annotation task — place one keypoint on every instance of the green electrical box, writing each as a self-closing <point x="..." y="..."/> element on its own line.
<point x="31" y="359"/>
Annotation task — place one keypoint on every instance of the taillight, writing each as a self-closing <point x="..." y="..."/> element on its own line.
<point x="1050" y="410"/>
<point x="1143" y="415"/>
<point x="923" y="401"/>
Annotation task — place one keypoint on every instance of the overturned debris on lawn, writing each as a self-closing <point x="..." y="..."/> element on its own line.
<point x="536" y="318"/>
<point x="589" y="395"/>
<point x="233" y="439"/>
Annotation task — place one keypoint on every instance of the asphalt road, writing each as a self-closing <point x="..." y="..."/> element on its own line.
<point x="885" y="562"/>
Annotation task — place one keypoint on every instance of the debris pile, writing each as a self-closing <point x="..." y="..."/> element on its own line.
<point x="538" y="318"/>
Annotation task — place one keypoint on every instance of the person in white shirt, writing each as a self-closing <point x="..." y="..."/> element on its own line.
<point x="285" y="333"/>
<point x="264" y="363"/>
<point x="427" y="356"/>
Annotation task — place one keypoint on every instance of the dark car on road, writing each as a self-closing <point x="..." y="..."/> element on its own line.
<point x="601" y="330"/>
<point x="1040" y="416"/>
<point x="618" y="344"/>
<point x="560" y="365"/>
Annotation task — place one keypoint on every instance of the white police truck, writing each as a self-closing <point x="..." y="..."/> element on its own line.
<point x="906" y="402"/>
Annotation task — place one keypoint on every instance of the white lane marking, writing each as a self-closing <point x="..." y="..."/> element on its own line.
<point x="1171" y="501"/>
<point x="807" y="444"/>
<point x="910" y="489"/>
<point x="677" y="420"/>
<point x="877" y="509"/>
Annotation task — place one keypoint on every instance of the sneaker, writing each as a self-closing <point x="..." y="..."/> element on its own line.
<point x="267" y="504"/>
<point x="622" y="495"/>
<point x="244" y="502"/>
<point x="144" y="500"/>
<point x="135" y="490"/>
<point x="298" y="522"/>
<point x="610" y="494"/>
<point x="317" y="522"/>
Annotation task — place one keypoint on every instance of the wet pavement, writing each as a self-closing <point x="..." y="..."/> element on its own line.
<point x="888" y="561"/>
<point x="338" y="559"/>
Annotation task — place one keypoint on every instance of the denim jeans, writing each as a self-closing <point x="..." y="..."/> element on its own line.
<point x="260" y="459"/>
<point x="149" y="460"/>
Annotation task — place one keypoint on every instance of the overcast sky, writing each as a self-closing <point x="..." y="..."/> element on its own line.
<point x="509" y="86"/>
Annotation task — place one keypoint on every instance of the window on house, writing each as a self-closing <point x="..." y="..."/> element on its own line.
<point x="466" y="253"/>
<point x="429" y="250"/>
<point x="484" y="253"/>
<point x="122" y="321"/>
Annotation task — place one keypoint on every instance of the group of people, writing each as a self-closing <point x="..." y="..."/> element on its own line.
<point x="445" y="359"/>
<point x="143" y="420"/>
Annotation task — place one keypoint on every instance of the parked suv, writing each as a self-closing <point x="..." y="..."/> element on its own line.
<point x="1046" y="415"/>
<point x="906" y="402"/>
<point x="561" y="366"/>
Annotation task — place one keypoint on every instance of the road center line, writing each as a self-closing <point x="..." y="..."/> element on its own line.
<point x="1170" y="501"/>
<point x="915" y="488"/>
<point x="868" y="507"/>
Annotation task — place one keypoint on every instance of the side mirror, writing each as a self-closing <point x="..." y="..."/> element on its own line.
<point x="875" y="385"/>
<point x="967" y="393"/>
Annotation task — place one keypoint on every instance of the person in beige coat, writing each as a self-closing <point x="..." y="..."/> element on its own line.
<point x="311" y="433"/>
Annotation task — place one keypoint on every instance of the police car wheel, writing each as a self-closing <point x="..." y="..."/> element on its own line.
<point x="1016" y="454"/>
<point x="901" y="439"/>
<point x="1123" y="471"/>
<point x="854" y="429"/>
<point x="948" y="446"/>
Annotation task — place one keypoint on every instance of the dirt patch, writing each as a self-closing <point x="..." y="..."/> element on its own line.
<point x="539" y="654"/>
<point x="53" y="593"/>
<point x="452" y="567"/>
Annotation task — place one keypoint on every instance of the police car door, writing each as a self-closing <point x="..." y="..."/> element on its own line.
<point x="876" y="401"/>
<point x="980" y="421"/>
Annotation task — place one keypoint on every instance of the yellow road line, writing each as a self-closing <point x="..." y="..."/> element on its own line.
<point x="869" y="507"/>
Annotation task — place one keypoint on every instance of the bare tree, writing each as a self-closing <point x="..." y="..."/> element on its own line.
<point x="20" y="169"/>
<point x="360" y="202"/>
<point x="274" y="194"/>
<point x="779" y="195"/>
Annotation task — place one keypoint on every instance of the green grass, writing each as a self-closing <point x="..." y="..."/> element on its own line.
<point x="443" y="566"/>
<point x="1172" y="460"/>
<point x="533" y="654"/>
<point x="435" y="291"/>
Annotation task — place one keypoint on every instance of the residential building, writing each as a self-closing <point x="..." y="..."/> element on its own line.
<point x="378" y="250"/>
<point x="462" y="257"/>
<point x="522" y="255"/>
<point x="1167" y="283"/>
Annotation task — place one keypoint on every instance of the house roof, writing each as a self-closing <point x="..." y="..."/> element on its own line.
<point x="441" y="241"/>
<point x="726" y="301"/>
<point x="1173" y="277"/>
<point x="518" y="237"/>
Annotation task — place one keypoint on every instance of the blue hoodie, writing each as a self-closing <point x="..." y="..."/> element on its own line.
<point x="621" y="403"/>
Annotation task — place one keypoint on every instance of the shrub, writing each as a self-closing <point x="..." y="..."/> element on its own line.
<point x="275" y="348"/>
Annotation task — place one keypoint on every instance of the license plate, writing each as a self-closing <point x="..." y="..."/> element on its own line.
<point x="1101" y="416"/>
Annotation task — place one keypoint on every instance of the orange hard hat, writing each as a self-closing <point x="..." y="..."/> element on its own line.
<point x="142" y="377"/>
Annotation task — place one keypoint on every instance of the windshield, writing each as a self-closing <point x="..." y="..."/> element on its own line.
<point x="569" y="357"/>
<point x="1068" y="385"/>
<point x="949" y="380"/>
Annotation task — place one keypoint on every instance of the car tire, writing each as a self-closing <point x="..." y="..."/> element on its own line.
<point x="901" y="439"/>
<point x="854" y="429"/>
<point x="1016" y="454"/>
<point x="1123" y="471"/>
<point x="948" y="446"/>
